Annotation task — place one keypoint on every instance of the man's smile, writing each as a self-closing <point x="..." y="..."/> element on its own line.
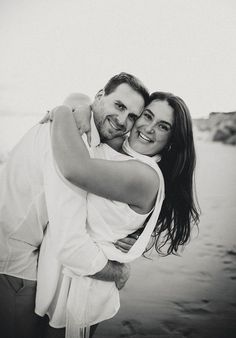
<point x="114" y="125"/>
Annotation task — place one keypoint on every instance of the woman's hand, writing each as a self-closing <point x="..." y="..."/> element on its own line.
<point x="47" y="118"/>
<point x="82" y="116"/>
<point x="125" y="244"/>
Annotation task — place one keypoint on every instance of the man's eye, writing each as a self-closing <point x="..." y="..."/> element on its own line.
<point x="120" y="106"/>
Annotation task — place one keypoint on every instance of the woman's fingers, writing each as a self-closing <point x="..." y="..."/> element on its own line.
<point x="89" y="137"/>
<point x="121" y="248"/>
<point x="125" y="244"/>
<point x="82" y="117"/>
<point x="46" y="118"/>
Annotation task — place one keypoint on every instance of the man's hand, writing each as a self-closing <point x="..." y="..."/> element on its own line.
<point x="114" y="272"/>
<point x="125" y="244"/>
<point x="121" y="281"/>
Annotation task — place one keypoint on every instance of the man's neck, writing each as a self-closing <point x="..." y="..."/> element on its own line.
<point x="116" y="143"/>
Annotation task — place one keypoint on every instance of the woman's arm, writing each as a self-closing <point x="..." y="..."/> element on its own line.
<point x="131" y="182"/>
<point x="76" y="100"/>
<point x="82" y="104"/>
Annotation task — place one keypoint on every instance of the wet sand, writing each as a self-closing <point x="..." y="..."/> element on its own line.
<point x="193" y="295"/>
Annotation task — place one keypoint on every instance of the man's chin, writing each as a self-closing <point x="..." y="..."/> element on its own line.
<point x="110" y="134"/>
<point x="113" y="136"/>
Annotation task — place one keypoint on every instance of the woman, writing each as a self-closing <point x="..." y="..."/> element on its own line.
<point x="164" y="131"/>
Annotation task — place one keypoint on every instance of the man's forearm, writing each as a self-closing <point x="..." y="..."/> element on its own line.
<point x="111" y="272"/>
<point x="114" y="272"/>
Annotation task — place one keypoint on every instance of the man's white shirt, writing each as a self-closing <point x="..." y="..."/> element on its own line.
<point x="31" y="194"/>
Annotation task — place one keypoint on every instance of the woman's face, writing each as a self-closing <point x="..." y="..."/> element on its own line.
<point x="152" y="131"/>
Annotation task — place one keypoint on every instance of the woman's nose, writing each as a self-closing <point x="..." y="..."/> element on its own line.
<point x="149" y="128"/>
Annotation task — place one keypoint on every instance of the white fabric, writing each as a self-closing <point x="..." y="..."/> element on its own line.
<point x="107" y="221"/>
<point x="89" y="301"/>
<point x="97" y="302"/>
<point x="27" y="180"/>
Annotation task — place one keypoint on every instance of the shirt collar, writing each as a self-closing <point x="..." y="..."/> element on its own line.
<point x="95" y="138"/>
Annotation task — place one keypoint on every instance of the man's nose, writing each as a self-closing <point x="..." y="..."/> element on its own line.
<point x="122" y="120"/>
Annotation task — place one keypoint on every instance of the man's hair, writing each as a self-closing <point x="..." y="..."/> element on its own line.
<point x="131" y="80"/>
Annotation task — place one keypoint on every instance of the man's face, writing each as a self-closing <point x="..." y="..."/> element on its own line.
<point x="115" y="113"/>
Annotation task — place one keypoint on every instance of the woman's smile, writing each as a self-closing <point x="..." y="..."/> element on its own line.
<point x="143" y="138"/>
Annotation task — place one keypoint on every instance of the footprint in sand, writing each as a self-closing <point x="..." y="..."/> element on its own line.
<point x="130" y="328"/>
<point x="209" y="244"/>
<point x="193" y="308"/>
<point x="205" y="301"/>
<point x="231" y="253"/>
<point x="203" y="276"/>
<point x="176" y="330"/>
<point x="230" y="268"/>
<point x="226" y="262"/>
<point x="220" y="249"/>
<point x="229" y="262"/>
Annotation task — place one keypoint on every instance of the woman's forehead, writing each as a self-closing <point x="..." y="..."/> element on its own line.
<point x="161" y="110"/>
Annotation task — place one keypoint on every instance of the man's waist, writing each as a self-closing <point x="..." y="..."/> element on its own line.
<point x="21" y="266"/>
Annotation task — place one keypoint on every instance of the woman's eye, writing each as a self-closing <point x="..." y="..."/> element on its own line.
<point x="164" y="127"/>
<point x="147" y="116"/>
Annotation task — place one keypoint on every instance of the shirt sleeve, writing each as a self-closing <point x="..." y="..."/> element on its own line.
<point x="67" y="214"/>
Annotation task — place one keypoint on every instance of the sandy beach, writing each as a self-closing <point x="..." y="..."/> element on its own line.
<point x="193" y="295"/>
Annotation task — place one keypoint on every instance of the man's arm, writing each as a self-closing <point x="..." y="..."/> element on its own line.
<point x="114" y="272"/>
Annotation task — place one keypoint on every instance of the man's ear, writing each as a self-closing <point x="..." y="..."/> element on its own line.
<point x="99" y="95"/>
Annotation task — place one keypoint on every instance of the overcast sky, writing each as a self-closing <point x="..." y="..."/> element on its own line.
<point x="50" y="48"/>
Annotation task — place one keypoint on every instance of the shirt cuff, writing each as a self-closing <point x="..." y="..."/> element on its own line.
<point x="98" y="263"/>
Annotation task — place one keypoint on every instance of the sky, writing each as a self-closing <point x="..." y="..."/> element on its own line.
<point x="51" y="48"/>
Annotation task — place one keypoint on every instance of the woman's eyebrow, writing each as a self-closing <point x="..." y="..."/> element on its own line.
<point x="149" y="110"/>
<point x="162" y="121"/>
<point x="168" y="123"/>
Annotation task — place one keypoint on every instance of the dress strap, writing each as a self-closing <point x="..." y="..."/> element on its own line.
<point x="140" y="245"/>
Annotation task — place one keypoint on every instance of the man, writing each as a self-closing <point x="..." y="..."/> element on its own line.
<point x="29" y="200"/>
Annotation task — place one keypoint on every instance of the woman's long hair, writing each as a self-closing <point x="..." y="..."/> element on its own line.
<point x="180" y="208"/>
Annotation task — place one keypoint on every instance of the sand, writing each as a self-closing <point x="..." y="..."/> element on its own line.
<point x="193" y="295"/>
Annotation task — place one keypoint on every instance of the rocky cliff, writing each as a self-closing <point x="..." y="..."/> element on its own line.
<point x="220" y="126"/>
